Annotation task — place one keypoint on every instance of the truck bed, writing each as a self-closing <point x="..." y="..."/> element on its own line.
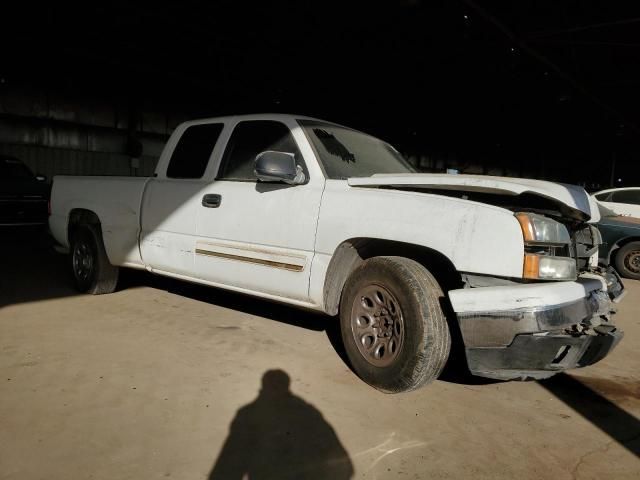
<point x="116" y="201"/>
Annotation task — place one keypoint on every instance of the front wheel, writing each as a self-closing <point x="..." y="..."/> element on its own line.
<point x="92" y="272"/>
<point x="628" y="260"/>
<point x="393" y="327"/>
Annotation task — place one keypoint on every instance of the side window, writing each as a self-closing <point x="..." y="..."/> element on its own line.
<point x="191" y="155"/>
<point x="250" y="138"/>
<point x="627" y="196"/>
<point x="603" y="196"/>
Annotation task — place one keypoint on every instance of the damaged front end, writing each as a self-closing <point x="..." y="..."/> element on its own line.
<point x="547" y="334"/>
<point x="557" y="314"/>
<point x="517" y="329"/>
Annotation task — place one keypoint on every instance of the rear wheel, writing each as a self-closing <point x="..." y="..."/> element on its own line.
<point x="394" y="330"/>
<point x="628" y="260"/>
<point x="92" y="272"/>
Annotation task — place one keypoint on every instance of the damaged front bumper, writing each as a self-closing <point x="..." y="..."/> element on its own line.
<point x="537" y="330"/>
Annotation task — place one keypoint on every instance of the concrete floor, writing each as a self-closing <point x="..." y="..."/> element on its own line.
<point x="147" y="383"/>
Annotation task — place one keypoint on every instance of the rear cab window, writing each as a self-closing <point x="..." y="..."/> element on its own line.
<point x="191" y="154"/>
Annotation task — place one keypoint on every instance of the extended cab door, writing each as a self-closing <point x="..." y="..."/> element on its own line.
<point x="172" y="200"/>
<point x="260" y="236"/>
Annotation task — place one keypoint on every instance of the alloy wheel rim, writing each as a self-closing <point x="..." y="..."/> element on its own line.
<point x="82" y="261"/>
<point x="377" y="325"/>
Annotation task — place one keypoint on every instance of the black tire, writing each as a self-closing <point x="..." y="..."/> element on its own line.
<point x="422" y="342"/>
<point x="90" y="267"/>
<point x="627" y="260"/>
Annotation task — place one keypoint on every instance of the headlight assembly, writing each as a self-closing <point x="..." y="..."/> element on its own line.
<point x="543" y="237"/>
<point x="540" y="229"/>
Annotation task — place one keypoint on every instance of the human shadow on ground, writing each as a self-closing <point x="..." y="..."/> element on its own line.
<point x="280" y="436"/>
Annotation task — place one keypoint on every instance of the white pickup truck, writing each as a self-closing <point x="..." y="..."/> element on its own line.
<point x="321" y="216"/>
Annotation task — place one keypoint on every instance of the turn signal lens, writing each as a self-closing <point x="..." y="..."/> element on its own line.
<point x="531" y="266"/>
<point x="527" y="227"/>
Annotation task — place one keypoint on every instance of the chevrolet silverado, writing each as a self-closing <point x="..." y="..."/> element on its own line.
<point x="321" y="216"/>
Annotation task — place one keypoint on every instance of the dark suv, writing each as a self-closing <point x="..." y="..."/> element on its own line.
<point x="23" y="196"/>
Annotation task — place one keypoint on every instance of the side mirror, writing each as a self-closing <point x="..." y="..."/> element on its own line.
<point x="41" y="178"/>
<point x="273" y="166"/>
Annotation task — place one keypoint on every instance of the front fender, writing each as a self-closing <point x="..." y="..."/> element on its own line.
<point x="476" y="237"/>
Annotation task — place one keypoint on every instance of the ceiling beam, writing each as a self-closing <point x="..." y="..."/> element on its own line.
<point x="581" y="28"/>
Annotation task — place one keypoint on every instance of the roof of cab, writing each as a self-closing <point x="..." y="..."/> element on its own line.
<point x="255" y="116"/>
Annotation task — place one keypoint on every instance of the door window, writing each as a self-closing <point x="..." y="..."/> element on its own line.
<point x="626" y="196"/>
<point x="192" y="153"/>
<point x="250" y="138"/>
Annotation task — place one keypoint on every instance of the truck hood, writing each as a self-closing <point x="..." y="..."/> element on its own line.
<point x="572" y="201"/>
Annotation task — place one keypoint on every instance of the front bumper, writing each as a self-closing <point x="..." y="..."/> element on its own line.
<point x="537" y="330"/>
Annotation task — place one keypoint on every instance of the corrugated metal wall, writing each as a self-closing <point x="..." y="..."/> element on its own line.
<point x="74" y="134"/>
<point x="59" y="161"/>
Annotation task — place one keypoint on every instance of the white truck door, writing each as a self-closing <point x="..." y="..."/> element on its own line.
<point x="171" y="201"/>
<point x="253" y="235"/>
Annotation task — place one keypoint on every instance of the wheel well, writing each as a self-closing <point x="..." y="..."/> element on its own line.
<point x="80" y="216"/>
<point x="619" y="244"/>
<point x="351" y="253"/>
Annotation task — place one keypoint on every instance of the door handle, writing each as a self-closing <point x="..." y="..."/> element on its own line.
<point x="211" y="200"/>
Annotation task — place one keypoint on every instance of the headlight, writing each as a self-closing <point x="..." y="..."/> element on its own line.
<point x="540" y="229"/>
<point x="543" y="238"/>
<point x="541" y="267"/>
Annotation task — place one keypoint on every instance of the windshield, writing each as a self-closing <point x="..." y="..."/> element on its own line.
<point x="14" y="169"/>
<point x="348" y="153"/>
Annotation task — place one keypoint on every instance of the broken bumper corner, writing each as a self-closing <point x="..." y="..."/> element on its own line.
<point x="535" y="330"/>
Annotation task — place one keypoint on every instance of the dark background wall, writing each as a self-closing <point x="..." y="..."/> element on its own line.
<point x="56" y="132"/>
<point x="541" y="89"/>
